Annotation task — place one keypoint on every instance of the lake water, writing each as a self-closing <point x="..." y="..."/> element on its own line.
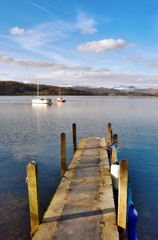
<point x="33" y="133"/>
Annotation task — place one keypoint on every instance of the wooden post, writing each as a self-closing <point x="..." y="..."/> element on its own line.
<point x="63" y="153"/>
<point x="122" y="199"/>
<point x="32" y="179"/>
<point x="74" y="137"/>
<point x="108" y="136"/>
<point x="114" y="151"/>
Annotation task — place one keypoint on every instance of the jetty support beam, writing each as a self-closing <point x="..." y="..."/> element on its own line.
<point x="32" y="180"/>
<point x="108" y="136"/>
<point x="63" y="153"/>
<point x="74" y="137"/>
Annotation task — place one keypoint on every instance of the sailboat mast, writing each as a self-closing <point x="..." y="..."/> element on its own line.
<point x="37" y="87"/>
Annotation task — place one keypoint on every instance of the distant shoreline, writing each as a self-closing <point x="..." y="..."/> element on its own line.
<point x="10" y="88"/>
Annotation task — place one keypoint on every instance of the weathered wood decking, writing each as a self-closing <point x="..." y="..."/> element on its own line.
<point x="83" y="206"/>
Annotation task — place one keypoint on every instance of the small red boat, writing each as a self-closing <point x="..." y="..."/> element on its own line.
<point x="60" y="99"/>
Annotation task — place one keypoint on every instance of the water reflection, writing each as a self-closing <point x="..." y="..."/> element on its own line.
<point x="39" y="109"/>
<point x="41" y="106"/>
<point x="32" y="132"/>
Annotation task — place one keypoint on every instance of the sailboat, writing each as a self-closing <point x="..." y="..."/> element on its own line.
<point x="60" y="99"/>
<point x="39" y="100"/>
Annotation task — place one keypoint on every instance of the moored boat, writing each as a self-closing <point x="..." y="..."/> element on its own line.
<point x="60" y="99"/>
<point x="39" y="100"/>
<point x="42" y="101"/>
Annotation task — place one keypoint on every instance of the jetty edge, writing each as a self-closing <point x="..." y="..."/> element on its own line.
<point x="83" y="204"/>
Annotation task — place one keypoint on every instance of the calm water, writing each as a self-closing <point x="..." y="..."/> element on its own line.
<point x="33" y="133"/>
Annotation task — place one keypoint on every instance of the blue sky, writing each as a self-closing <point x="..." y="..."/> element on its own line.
<point x="94" y="43"/>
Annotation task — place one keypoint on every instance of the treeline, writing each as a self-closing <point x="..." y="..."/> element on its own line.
<point x="17" y="88"/>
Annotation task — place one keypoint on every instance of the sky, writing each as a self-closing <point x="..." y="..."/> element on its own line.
<point x="96" y="43"/>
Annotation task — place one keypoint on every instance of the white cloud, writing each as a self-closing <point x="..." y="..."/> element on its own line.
<point x="89" y="30"/>
<point x="152" y="63"/>
<point x="33" y="64"/>
<point x="16" y="31"/>
<point x="100" y="70"/>
<point x="29" y="32"/>
<point x="134" y="58"/>
<point x="99" y="79"/>
<point x="20" y="31"/>
<point x="43" y="37"/>
<point x="102" y="79"/>
<point x="85" y="24"/>
<point x="103" y="45"/>
<point x="3" y="74"/>
<point x="94" y="78"/>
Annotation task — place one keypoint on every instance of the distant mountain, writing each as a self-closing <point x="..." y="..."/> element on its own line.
<point x="121" y="90"/>
<point x="125" y="88"/>
<point x="17" y="88"/>
<point x="133" y="89"/>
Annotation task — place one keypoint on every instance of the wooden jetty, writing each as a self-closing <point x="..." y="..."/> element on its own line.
<point x="83" y="205"/>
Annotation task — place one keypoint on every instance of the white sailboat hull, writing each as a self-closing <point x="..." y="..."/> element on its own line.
<point x="42" y="101"/>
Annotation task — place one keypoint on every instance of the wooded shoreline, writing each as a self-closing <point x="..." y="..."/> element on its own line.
<point x="12" y="88"/>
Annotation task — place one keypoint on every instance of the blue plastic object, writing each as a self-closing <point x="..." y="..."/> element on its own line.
<point x="111" y="148"/>
<point x="115" y="150"/>
<point x="132" y="220"/>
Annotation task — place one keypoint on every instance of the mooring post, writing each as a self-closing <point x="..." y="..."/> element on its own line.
<point x="122" y="199"/>
<point x="74" y="137"/>
<point x="108" y="137"/>
<point x="32" y="180"/>
<point x="63" y="153"/>
<point x="114" y="148"/>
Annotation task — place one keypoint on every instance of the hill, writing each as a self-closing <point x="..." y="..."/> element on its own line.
<point x="17" y="88"/>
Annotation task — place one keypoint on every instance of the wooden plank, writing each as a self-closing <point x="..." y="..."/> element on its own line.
<point x="83" y="205"/>
<point x="122" y="200"/>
